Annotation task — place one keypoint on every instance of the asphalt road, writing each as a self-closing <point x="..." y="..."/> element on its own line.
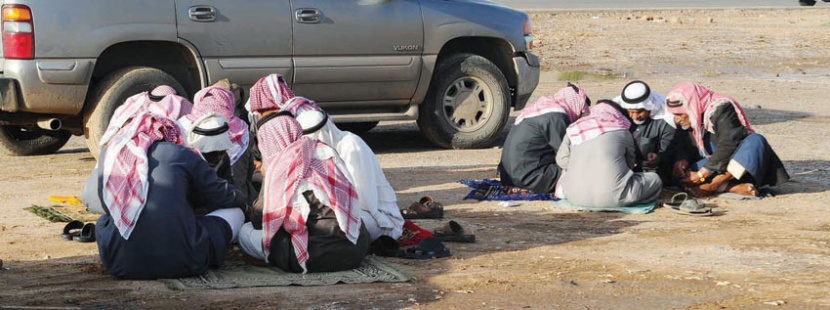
<point x="647" y="4"/>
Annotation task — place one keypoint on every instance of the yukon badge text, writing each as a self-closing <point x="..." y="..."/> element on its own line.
<point x="406" y="48"/>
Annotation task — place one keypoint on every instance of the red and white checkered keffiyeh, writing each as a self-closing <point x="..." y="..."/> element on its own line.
<point x="126" y="168"/>
<point x="290" y="158"/>
<point x="566" y="100"/>
<point x="603" y="118"/>
<point x="220" y="100"/>
<point x="171" y="105"/>
<point x="294" y="104"/>
<point x="699" y="102"/>
<point x="269" y="93"/>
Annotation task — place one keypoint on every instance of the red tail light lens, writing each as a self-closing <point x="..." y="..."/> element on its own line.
<point x="18" y="32"/>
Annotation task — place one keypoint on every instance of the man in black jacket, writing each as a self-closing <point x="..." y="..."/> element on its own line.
<point x="528" y="158"/>
<point x="734" y="157"/>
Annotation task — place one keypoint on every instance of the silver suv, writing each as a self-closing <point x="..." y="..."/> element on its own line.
<point x="456" y="66"/>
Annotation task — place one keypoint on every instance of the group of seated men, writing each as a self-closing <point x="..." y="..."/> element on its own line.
<point x="177" y="182"/>
<point x="299" y="194"/>
<point x="622" y="152"/>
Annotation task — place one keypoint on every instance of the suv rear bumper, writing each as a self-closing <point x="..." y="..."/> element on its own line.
<point x="9" y="99"/>
<point x="527" y="70"/>
<point x="45" y="86"/>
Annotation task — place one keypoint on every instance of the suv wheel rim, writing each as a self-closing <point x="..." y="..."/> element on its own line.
<point x="467" y="104"/>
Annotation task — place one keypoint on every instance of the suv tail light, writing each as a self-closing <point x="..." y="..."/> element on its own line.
<point x="528" y="32"/>
<point x="18" y="32"/>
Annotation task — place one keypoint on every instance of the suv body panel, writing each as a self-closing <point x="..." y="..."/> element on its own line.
<point x="68" y="40"/>
<point x="245" y="41"/>
<point x="360" y="55"/>
<point x="382" y="76"/>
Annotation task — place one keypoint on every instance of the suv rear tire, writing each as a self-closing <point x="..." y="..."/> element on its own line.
<point x="467" y="105"/>
<point x="23" y="141"/>
<point x="807" y="2"/>
<point x="112" y="91"/>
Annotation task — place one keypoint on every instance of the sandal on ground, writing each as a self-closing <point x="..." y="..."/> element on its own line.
<point x="681" y="203"/>
<point x="428" y="248"/>
<point x="426" y="208"/>
<point x="87" y="234"/>
<point x="385" y="246"/>
<point x="453" y="232"/>
<point x="72" y="230"/>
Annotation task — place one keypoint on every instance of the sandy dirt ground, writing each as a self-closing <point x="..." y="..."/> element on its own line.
<point x="771" y="253"/>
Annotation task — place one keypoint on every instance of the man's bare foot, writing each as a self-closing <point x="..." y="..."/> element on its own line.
<point x="717" y="184"/>
<point x="745" y="189"/>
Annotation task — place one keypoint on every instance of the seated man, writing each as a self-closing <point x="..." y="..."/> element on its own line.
<point x="209" y="135"/>
<point x="528" y="158"/>
<point x="597" y="155"/>
<point x="220" y="100"/>
<point x="306" y="218"/>
<point x="734" y="157"/>
<point x="233" y="161"/>
<point x="161" y="100"/>
<point x="652" y="126"/>
<point x="243" y="168"/>
<point x="378" y="203"/>
<point x="147" y="184"/>
<point x="268" y="95"/>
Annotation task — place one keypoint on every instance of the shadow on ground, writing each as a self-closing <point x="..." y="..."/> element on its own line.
<point x="405" y="137"/>
<point x="759" y="116"/>
<point x="806" y="176"/>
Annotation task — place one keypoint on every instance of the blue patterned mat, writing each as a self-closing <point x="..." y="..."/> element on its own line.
<point x="489" y="189"/>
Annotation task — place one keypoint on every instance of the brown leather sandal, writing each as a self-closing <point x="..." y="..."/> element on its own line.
<point x="426" y="208"/>
<point x="453" y="232"/>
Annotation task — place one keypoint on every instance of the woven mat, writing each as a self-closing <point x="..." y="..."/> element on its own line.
<point x="237" y="274"/>
<point x="642" y="208"/>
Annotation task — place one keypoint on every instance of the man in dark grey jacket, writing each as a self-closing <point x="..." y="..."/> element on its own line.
<point x="652" y="126"/>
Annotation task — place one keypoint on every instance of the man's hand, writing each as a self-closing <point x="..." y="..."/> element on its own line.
<point x="680" y="167"/>
<point x="691" y="179"/>
<point x="698" y="177"/>
<point x="704" y="174"/>
<point x="257" y="165"/>
<point x="652" y="161"/>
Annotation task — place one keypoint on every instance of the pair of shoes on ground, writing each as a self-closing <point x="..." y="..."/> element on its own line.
<point x="428" y="248"/>
<point x="78" y="231"/>
<point x="425" y="208"/>
<point x="683" y="204"/>
<point x="453" y="232"/>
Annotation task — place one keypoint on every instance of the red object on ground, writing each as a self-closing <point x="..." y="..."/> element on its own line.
<point x="413" y="234"/>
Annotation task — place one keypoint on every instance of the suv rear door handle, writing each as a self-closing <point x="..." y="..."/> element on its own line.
<point x="202" y="13"/>
<point x="307" y="16"/>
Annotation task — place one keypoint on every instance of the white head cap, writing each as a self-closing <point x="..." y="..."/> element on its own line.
<point x="209" y="133"/>
<point x="637" y="95"/>
<point x="310" y="119"/>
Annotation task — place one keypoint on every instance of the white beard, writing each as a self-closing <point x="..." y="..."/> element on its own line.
<point x="638" y="122"/>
